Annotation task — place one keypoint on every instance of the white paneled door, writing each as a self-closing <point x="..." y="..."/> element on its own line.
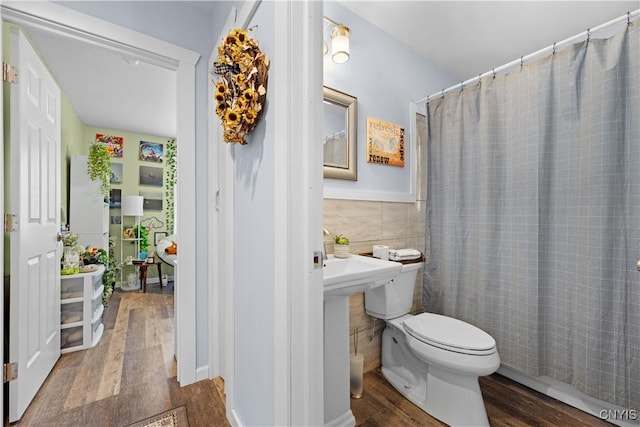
<point x="34" y="334"/>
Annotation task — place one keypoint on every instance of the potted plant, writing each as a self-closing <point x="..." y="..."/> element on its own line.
<point x="142" y="233"/>
<point x="99" y="167"/>
<point x="341" y="248"/>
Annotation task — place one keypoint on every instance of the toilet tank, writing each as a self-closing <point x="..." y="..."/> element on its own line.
<point x="395" y="298"/>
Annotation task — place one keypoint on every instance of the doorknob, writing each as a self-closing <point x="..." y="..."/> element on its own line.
<point x="638" y="265"/>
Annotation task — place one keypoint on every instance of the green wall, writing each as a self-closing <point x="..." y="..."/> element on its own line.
<point x="155" y="220"/>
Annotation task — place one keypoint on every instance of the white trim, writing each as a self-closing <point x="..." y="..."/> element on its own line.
<point x="298" y="191"/>
<point x="413" y="151"/>
<point x="2" y="325"/>
<point x="374" y="196"/>
<point x="62" y="20"/>
<point x="221" y="226"/>
<point x="202" y="373"/>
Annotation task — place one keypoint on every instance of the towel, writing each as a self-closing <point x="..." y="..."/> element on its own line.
<point x="404" y="254"/>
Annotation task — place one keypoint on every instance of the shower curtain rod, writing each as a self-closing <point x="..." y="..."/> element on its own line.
<point x="630" y="16"/>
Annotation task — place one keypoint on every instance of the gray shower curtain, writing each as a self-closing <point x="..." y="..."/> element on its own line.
<point x="533" y="214"/>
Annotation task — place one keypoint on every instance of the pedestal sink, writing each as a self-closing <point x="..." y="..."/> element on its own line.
<point x="344" y="277"/>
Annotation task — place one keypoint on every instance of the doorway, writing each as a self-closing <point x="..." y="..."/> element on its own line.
<point x="60" y="20"/>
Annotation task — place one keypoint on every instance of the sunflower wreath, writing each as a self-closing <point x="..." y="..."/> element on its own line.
<point x="242" y="90"/>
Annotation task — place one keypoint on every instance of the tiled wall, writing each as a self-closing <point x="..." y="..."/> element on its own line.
<point x="365" y="223"/>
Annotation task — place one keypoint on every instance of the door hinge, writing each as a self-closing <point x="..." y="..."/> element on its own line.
<point x="10" y="223"/>
<point x="9" y="372"/>
<point x="9" y="73"/>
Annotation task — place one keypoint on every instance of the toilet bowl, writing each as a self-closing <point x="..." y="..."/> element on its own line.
<point x="433" y="360"/>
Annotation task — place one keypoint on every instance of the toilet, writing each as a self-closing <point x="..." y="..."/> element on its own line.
<point x="433" y="360"/>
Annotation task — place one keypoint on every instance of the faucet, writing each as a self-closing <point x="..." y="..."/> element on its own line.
<point x="325" y="233"/>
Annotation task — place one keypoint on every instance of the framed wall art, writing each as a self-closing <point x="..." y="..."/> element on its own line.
<point x="150" y="175"/>
<point x="385" y="143"/>
<point x="151" y="151"/>
<point x="115" y="144"/>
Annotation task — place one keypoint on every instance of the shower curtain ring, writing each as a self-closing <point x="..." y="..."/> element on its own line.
<point x="628" y="18"/>
<point x="494" y="72"/>
<point x="521" y="61"/>
<point x="588" y="35"/>
<point x="554" y="48"/>
<point x="443" y="93"/>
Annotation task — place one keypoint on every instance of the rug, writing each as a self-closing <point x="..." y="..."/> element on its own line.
<point x="176" y="417"/>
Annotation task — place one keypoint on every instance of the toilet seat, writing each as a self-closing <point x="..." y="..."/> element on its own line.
<point x="449" y="334"/>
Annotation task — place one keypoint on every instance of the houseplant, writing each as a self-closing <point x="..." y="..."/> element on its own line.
<point x="142" y="233"/>
<point x="341" y="248"/>
<point x="99" y="167"/>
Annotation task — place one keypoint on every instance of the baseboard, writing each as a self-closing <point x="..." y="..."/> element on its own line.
<point x="235" y="419"/>
<point x="202" y="373"/>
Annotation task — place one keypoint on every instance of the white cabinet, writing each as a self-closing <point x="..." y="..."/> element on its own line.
<point x="81" y="310"/>
<point x="88" y="212"/>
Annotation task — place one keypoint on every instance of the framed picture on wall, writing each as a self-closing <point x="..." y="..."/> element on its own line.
<point x="115" y="144"/>
<point x="151" y="151"/>
<point x="150" y="175"/>
<point x="116" y="173"/>
<point x="115" y="198"/>
<point x="157" y="236"/>
<point x="385" y="143"/>
<point x="152" y="200"/>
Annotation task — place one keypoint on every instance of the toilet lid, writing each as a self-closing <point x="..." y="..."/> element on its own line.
<point x="449" y="333"/>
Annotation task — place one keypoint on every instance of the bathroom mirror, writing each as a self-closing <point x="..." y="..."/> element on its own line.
<point x="340" y="142"/>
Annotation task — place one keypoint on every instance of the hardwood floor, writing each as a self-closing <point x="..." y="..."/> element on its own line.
<point x="508" y="404"/>
<point x="131" y="375"/>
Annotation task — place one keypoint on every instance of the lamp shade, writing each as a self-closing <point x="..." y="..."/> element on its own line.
<point x="132" y="205"/>
<point x="340" y="44"/>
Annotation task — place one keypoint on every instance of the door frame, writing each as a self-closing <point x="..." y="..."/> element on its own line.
<point x="63" y="21"/>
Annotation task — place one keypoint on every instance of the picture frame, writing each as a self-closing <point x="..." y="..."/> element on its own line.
<point x="157" y="236"/>
<point x="115" y="144"/>
<point x="116" y="173"/>
<point x="151" y="152"/>
<point x="153" y="200"/>
<point x="115" y="198"/>
<point x="385" y="143"/>
<point x="150" y="175"/>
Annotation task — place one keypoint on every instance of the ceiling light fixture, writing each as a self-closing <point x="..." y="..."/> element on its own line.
<point x="339" y="42"/>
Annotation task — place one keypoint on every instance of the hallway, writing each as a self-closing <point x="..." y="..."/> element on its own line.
<point x="130" y="375"/>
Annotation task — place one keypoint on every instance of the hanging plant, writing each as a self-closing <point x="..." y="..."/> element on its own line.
<point x="242" y="91"/>
<point x="99" y="167"/>
<point x="170" y="182"/>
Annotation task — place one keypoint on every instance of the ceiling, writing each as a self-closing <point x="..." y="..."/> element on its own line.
<point x="464" y="38"/>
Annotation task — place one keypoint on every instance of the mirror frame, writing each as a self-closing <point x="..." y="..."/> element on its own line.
<point x="350" y="103"/>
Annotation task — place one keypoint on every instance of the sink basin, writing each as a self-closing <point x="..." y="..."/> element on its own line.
<point x="357" y="273"/>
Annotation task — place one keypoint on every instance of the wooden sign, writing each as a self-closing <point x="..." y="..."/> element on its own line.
<point x="385" y="143"/>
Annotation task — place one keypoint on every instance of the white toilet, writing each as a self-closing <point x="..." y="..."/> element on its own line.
<point x="433" y="360"/>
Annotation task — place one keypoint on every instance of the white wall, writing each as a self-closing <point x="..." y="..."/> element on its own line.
<point x="385" y="75"/>
<point x="254" y="257"/>
<point x="189" y="27"/>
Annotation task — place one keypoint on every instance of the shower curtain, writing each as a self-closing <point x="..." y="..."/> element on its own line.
<point x="533" y="214"/>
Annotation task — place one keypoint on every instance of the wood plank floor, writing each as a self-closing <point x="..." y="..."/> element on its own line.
<point x="508" y="404"/>
<point x="131" y="375"/>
